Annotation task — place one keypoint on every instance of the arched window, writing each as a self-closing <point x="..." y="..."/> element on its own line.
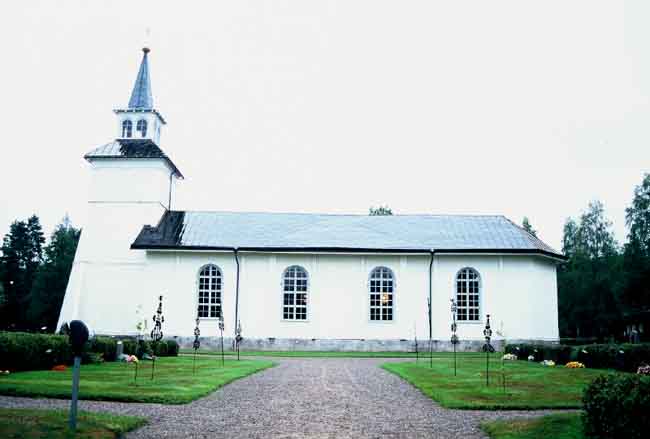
<point x="294" y="293"/>
<point x="141" y="126"/>
<point x="127" y="129"/>
<point x="210" y="283"/>
<point x="382" y="287"/>
<point x="468" y="290"/>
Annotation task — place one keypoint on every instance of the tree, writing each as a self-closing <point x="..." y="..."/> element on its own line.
<point x="595" y="236"/>
<point x="590" y="283"/>
<point x="637" y="250"/>
<point x="380" y="211"/>
<point x="637" y="217"/>
<point x="52" y="277"/>
<point x="527" y="227"/>
<point x="22" y="253"/>
<point x="569" y="238"/>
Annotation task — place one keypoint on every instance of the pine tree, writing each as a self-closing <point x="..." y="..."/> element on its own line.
<point x="527" y="227"/>
<point x="380" y="211"/>
<point x="52" y="277"/>
<point x="22" y="254"/>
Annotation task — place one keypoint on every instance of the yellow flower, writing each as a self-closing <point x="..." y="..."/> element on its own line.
<point x="575" y="365"/>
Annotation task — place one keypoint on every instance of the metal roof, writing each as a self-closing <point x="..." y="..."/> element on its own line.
<point x="354" y="233"/>
<point x="131" y="149"/>
<point x="141" y="97"/>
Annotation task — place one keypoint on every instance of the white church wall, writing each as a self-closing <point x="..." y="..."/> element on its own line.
<point x="518" y="291"/>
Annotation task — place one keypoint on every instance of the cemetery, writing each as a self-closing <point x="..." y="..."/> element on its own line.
<point x="394" y="220"/>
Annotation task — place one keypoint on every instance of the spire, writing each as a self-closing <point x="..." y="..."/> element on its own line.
<point x="141" y="97"/>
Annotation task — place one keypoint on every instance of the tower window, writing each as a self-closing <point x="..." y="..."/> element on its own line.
<point x="127" y="129"/>
<point x="142" y="127"/>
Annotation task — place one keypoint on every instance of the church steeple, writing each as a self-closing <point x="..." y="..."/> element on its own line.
<point x="141" y="97"/>
<point x="140" y="120"/>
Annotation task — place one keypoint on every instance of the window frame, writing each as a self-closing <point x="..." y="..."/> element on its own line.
<point x="127" y="124"/>
<point x="145" y="126"/>
<point x="467" y="307"/>
<point x="198" y="291"/>
<point x="295" y="292"/>
<point x="394" y="294"/>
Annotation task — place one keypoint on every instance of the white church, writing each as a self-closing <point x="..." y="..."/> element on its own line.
<point x="294" y="281"/>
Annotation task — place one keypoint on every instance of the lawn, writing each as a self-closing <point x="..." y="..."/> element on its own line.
<point x="53" y="424"/>
<point x="565" y="426"/>
<point x="174" y="382"/>
<point x="528" y="385"/>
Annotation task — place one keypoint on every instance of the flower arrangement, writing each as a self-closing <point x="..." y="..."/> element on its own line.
<point x="531" y="358"/>
<point x="509" y="357"/>
<point x="644" y="369"/>
<point x="575" y="365"/>
<point x="549" y="363"/>
<point x="59" y="368"/>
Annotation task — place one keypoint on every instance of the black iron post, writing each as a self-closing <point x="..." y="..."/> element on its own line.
<point x="78" y="337"/>
<point x="221" y="328"/>
<point x="197" y="343"/>
<point x="454" y="326"/>
<point x="417" y="355"/>
<point x="156" y="332"/>
<point x="487" y="347"/>
<point x="238" y="337"/>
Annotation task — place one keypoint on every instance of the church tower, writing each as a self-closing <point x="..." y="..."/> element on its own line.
<point x="132" y="184"/>
<point x="140" y="120"/>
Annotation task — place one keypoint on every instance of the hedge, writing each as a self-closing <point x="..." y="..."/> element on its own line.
<point x="616" y="406"/>
<point x="21" y="351"/>
<point x="624" y="357"/>
<point x="24" y="351"/>
<point x="560" y="354"/>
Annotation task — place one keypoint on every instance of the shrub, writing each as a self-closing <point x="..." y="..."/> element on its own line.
<point x="137" y="347"/>
<point x="172" y="348"/>
<point x="107" y="346"/>
<point x="160" y="348"/>
<point x="616" y="406"/>
<point x="23" y="351"/>
<point x="165" y="348"/>
<point x="625" y="357"/>
<point x="557" y="353"/>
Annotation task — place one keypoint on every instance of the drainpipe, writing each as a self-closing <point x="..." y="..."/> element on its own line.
<point x="431" y="252"/>
<point x="236" y="290"/>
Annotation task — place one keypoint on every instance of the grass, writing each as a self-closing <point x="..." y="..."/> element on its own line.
<point x="528" y="385"/>
<point x="32" y="424"/>
<point x="322" y="354"/>
<point x="174" y="382"/>
<point x="565" y="426"/>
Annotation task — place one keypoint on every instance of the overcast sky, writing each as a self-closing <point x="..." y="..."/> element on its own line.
<point x="501" y="107"/>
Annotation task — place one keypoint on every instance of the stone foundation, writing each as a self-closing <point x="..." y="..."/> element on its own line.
<point x="341" y="345"/>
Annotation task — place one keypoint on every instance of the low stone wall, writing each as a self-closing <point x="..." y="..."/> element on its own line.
<point x="337" y="345"/>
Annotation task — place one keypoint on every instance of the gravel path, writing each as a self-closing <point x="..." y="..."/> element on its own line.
<point x="302" y="397"/>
